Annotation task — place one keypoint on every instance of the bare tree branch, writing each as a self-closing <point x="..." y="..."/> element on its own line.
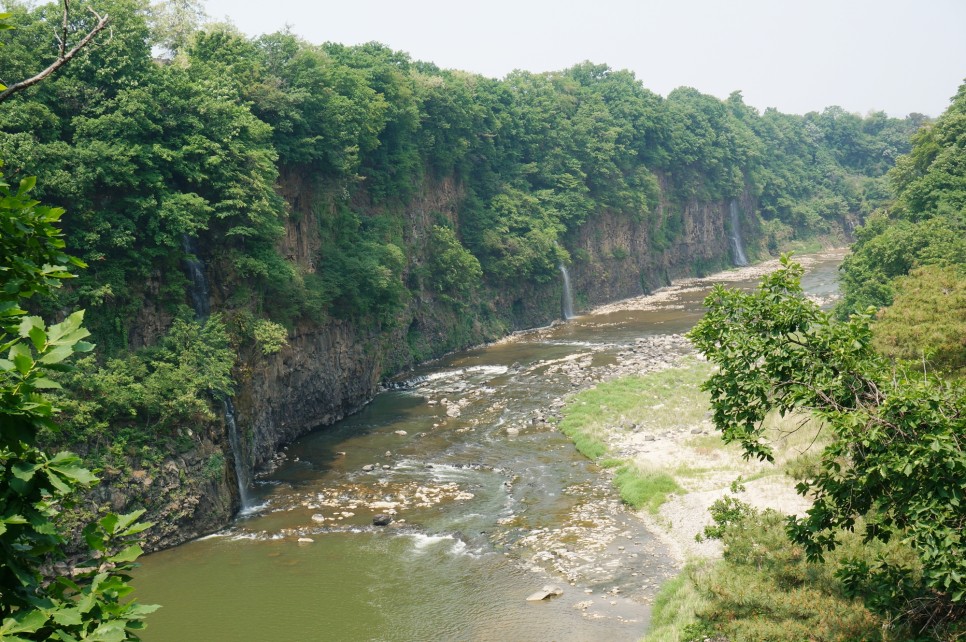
<point x="63" y="56"/>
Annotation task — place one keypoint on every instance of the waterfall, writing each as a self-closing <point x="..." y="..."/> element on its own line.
<point x="201" y="303"/>
<point x="736" y="246"/>
<point x="567" y="302"/>
<point x="198" y="290"/>
<point x="850" y="229"/>
<point x="241" y="470"/>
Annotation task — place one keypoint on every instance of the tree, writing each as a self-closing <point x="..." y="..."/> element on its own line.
<point x="64" y="55"/>
<point x="895" y="462"/>
<point x="927" y="319"/>
<point x="42" y="593"/>
<point x="174" y="22"/>
<point x="454" y="269"/>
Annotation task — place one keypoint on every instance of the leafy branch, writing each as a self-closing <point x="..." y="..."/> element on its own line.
<point x="64" y="55"/>
<point x="42" y="595"/>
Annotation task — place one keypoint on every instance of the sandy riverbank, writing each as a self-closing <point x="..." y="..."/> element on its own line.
<point x="685" y="446"/>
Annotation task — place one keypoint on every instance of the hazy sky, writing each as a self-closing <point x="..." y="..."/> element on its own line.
<point x="900" y="56"/>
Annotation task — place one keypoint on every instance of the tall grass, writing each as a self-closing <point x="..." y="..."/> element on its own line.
<point x="645" y="489"/>
<point x="676" y="604"/>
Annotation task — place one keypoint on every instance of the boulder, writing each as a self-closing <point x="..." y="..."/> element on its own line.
<point x="545" y="593"/>
<point x="381" y="520"/>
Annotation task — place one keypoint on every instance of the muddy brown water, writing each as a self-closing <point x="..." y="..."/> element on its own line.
<point x="483" y="516"/>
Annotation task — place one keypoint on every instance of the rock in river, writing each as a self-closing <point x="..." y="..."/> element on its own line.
<point x="544" y="593"/>
<point x="381" y="520"/>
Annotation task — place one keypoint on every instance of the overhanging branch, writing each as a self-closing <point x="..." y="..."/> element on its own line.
<point x="63" y="56"/>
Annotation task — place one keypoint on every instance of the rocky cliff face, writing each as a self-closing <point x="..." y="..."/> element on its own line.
<point x="330" y="370"/>
<point x="617" y="257"/>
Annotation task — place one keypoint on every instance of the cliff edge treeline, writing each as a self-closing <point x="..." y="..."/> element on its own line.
<point x="286" y="224"/>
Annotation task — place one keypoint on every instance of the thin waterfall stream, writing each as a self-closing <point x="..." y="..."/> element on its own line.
<point x="567" y="298"/>
<point x="737" y="246"/>
<point x="241" y="469"/>
<point x="195" y="269"/>
<point x="200" y="295"/>
<point x="489" y="504"/>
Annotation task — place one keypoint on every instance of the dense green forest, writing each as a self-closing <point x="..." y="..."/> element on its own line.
<point x="146" y="152"/>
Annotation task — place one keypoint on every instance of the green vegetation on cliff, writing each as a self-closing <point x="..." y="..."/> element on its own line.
<point x="148" y="153"/>
<point x="912" y="255"/>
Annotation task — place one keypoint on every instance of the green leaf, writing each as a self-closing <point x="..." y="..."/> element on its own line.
<point x="129" y="554"/>
<point x="38" y="337"/>
<point x="14" y="519"/>
<point x="58" y="354"/>
<point x="22" y="358"/>
<point x="58" y="483"/>
<point x="136" y="528"/>
<point x="29" y="622"/>
<point x="108" y="523"/>
<point x="27" y="323"/>
<point x="71" y="469"/>
<point x="46" y="384"/>
<point x="24" y="472"/>
<point x="109" y="632"/>
<point x="125" y="520"/>
<point x="10" y="309"/>
<point x="67" y="326"/>
<point x="67" y="617"/>
<point x="27" y="184"/>
<point x="140" y="610"/>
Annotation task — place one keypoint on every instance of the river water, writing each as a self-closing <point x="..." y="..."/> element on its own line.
<point x="490" y="504"/>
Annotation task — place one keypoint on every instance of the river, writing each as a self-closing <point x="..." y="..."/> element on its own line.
<point x="490" y="503"/>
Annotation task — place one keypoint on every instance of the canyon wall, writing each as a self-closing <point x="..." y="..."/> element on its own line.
<point x="329" y="370"/>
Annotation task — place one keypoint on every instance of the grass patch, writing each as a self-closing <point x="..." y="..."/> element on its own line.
<point x="658" y="401"/>
<point x="676" y="605"/>
<point x="664" y="400"/>
<point x="644" y="489"/>
<point x="804" y="246"/>
<point x="587" y="443"/>
<point x="687" y="470"/>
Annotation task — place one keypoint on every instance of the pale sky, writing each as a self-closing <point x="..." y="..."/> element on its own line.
<point x="899" y="56"/>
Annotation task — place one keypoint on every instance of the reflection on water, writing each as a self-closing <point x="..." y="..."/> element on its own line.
<point x="490" y="504"/>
